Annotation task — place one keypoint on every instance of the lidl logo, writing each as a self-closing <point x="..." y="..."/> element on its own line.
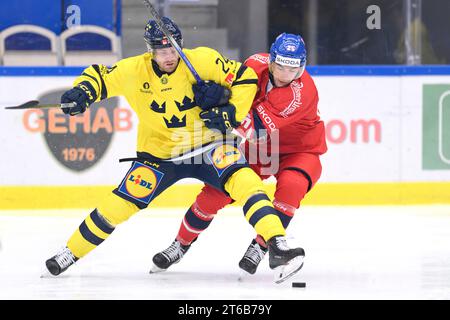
<point x="436" y="127"/>
<point x="141" y="182"/>
<point x="224" y="156"/>
<point x="143" y="186"/>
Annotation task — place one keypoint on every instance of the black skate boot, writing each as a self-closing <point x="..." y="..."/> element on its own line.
<point x="60" y="262"/>
<point x="252" y="257"/>
<point x="284" y="260"/>
<point x="173" y="254"/>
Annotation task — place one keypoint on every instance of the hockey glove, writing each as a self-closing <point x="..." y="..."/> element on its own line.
<point x="252" y="128"/>
<point x="208" y="94"/>
<point x="221" y="118"/>
<point x="83" y="95"/>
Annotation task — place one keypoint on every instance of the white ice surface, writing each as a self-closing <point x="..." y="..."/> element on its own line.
<point x="381" y="252"/>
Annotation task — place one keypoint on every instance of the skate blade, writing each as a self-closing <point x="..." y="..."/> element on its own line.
<point x="282" y="273"/>
<point x="156" y="269"/>
<point x="46" y="274"/>
<point x="243" y="275"/>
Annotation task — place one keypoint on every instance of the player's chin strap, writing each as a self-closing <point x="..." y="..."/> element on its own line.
<point x="299" y="74"/>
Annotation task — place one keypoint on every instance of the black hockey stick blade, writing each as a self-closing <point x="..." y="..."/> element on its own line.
<point x="26" y="105"/>
<point x="34" y="104"/>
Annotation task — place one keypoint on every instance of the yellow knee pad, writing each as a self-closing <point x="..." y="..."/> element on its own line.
<point x="242" y="184"/>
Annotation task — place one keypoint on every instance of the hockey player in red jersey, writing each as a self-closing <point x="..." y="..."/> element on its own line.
<point x="284" y="108"/>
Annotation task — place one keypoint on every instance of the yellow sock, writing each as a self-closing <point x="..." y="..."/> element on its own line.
<point x="92" y="232"/>
<point x="100" y="224"/>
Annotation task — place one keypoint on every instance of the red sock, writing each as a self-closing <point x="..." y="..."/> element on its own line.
<point x="194" y="222"/>
<point x="201" y="213"/>
<point x="261" y="241"/>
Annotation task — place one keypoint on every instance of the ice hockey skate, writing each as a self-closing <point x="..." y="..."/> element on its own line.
<point x="285" y="261"/>
<point x="59" y="262"/>
<point x="173" y="254"/>
<point x="253" y="256"/>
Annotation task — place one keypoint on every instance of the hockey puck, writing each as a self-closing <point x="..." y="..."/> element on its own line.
<point x="298" y="284"/>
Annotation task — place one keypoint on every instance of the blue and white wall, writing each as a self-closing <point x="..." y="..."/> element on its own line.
<point x="388" y="132"/>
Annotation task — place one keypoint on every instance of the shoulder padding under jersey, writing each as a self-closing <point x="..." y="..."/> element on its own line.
<point x="258" y="62"/>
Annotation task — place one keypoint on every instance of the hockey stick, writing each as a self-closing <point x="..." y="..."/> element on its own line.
<point x="34" y="104"/>
<point x="172" y="41"/>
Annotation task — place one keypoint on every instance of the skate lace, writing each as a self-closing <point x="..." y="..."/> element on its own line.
<point x="282" y="244"/>
<point x="65" y="258"/>
<point x="254" y="253"/>
<point x="174" y="251"/>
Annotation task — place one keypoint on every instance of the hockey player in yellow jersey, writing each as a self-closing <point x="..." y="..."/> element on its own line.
<point x="183" y="132"/>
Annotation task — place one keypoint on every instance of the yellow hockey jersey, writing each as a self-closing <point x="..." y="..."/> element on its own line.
<point x="169" y="122"/>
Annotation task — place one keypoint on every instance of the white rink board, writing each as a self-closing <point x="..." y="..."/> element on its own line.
<point x="29" y="161"/>
<point x="349" y="158"/>
<point x="390" y="106"/>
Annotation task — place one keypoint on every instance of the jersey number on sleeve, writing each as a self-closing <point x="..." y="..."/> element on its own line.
<point x="225" y="70"/>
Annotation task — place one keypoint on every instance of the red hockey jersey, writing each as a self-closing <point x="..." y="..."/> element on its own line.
<point x="292" y="110"/>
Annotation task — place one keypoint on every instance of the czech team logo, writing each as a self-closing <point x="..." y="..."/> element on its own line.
<point x="141" y="182"/>
<point x="224" y="156"/>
